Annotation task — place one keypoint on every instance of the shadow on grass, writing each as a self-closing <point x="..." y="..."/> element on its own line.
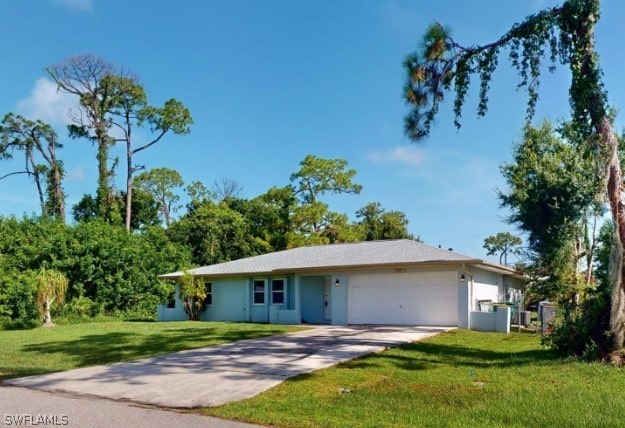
<point x="428" y="355"/>
<point x="234" y="361"/>
<point x="246" y="357"/>
<point x="106" y="348"/>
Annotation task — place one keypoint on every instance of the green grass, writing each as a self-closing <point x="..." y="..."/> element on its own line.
<point x="457" y="379"/>
<point x="64" y="347"/>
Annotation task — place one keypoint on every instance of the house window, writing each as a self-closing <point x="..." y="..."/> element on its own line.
<point x="259" y="292"/>
<point x="208" y="289"/>
<point x="171" y="300"/>
<point x="277" y="291"/>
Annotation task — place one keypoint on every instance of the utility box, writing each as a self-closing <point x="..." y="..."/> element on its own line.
<point x="523" y="318"/>
<point x="503" y="319"/>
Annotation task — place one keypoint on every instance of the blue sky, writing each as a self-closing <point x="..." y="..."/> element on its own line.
<point x="268" y="82"/>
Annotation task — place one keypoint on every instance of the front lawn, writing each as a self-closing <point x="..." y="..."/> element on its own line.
<point x="457" y="379"/>
<point x="64" y="347"/>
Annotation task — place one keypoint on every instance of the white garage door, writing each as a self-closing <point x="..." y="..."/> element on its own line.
<point x="423" y="298"/>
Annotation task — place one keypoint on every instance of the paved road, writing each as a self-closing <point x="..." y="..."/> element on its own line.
<point x="22" y="407"/>
<point x="220" y="374"/>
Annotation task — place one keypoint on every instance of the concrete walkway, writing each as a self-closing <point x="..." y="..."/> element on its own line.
<point x="220" y="374"/>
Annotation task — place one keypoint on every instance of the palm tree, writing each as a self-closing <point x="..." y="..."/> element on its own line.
<point x="51" y="287"/>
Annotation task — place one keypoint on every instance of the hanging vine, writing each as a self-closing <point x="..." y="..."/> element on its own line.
<point x="559" y="35"/>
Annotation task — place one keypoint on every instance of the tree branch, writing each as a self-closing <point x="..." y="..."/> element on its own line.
<point x="15" y="173"/>
<point x="150" y="144"/>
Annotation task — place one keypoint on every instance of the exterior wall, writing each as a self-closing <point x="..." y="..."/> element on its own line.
<point x="463" y="304"/>
<point x="486" y="286"/>
<point x="483" y="321"/>
<point x="258" y="313"/>
<point x="496" y="287"/>
<point x="229" y="301"/>
<point x="290" y="293"/>
<point x="515" y="283"/>
<point x="232" y="298"/>
<point x="339" y="300"/>
<point x="491" y="321"/>
<point x="163" y="313"/>
<point x="283" y="316"/>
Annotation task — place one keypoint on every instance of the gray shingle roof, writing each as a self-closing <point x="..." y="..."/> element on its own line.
<point x="361" y="254"/>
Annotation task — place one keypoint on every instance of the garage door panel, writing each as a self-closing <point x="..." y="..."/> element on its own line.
<point x="408" y="299"/>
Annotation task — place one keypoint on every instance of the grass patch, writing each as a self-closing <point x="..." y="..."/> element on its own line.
<point x="457" y="379"/>
<point x="64" y="347"/>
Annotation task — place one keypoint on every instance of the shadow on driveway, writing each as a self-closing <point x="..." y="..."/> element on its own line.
<point x="220" y="374"/>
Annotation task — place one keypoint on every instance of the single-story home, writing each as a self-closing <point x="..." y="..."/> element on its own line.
<point x="395" y="282"/>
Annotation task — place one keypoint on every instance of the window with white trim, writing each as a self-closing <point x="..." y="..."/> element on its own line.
<point x="278" y="290"/>
<point x="259" y="292"/>
<point x="208" y="289"/>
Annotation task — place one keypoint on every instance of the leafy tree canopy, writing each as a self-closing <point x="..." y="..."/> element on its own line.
<point x="561" y="34"/>
<point x="377" y="224"/>
<point x="318" y="176"/>
<point x="552" y="186"/>
<point x="161" y="184"/>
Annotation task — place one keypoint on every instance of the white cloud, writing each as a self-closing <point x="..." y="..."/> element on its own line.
<point x="80" y="5"/>
<point x="47" y="104"/>
<point x="77" y="174"/>
<point x="405" y="155"/>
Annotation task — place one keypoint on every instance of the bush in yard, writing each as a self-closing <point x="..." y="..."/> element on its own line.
<point x="192" y="294"/>
<point x="76" y="310"/>
<point x="118" y="271"/>
<point x="109" y="270"/>
<point x="80" y="310"/>
<point x="145" y="310"/>
<point x="585" y="330"/>
<point x="18" y="307"/>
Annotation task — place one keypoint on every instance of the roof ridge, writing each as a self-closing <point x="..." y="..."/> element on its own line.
<point x="383" y="252"/>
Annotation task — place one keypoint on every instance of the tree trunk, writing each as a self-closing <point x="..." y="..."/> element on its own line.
<point x="587" y="77"/>
<point x="57" y="190"/>
<point x="37" y="178"/>
<point x="614" y="190"/>
<point x="47" y="318"/>
<point x="104" y="192"/>
<point x="103" y="188"/>
<point x="129" y="172"/>
<point x="590" y="256"/>
<point x="166" y="213"/>
<point x="617" y="319"/>
<point x="57" y="198"/>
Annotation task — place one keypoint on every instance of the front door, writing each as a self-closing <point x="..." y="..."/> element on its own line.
<point x="327" y="298"/>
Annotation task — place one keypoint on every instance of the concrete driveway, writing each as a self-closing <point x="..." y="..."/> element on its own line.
<point x="220" y="374"/>
<point x="21" y="407"/>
